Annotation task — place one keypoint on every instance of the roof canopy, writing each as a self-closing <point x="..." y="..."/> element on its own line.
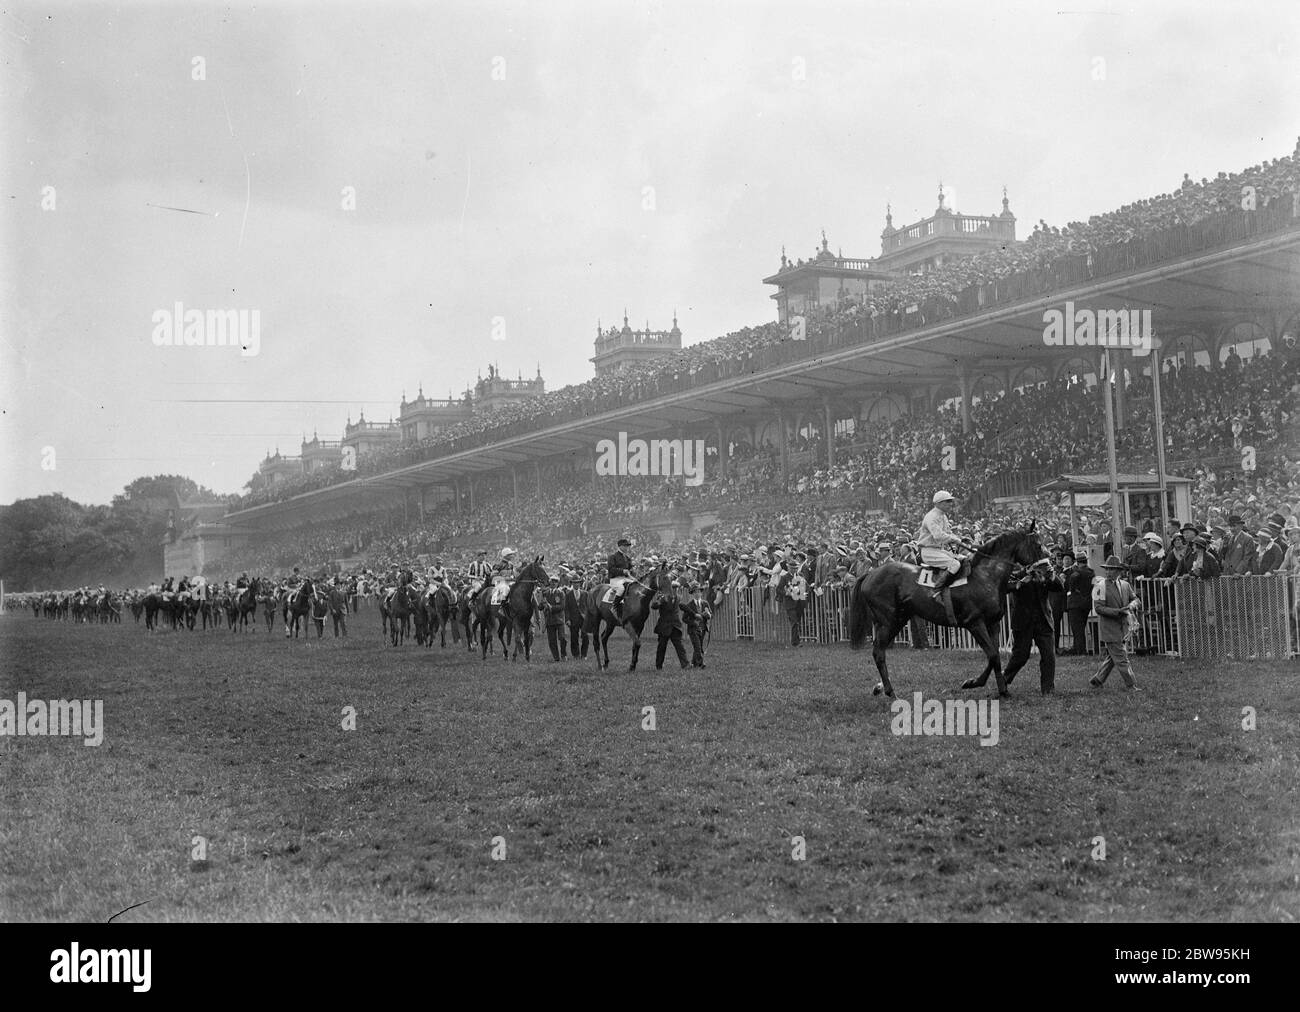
<point x="1101" y="482"/>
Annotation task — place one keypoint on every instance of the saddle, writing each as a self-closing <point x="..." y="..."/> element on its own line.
<point x="930" y="575"/>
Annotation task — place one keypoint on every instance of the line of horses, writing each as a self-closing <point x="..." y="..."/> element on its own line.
<point x="427" y="612"/>
<point x="883" y="601"/>
<point x="410" y="610"/>
<point x="78" y="606"/>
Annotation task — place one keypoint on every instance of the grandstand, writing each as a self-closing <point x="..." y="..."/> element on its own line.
<point x="892" y="383"/>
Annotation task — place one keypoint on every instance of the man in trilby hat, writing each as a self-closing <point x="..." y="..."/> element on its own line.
<point x="1114" y="601"/>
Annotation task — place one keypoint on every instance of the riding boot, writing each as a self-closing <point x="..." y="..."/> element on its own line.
<point x="944" y="579"/>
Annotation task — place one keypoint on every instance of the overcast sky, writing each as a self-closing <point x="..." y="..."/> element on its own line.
<point x="524" y="197"/>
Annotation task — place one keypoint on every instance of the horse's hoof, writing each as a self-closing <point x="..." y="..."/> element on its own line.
<point x="970" y="683"/>
<point x="878" y="689"/>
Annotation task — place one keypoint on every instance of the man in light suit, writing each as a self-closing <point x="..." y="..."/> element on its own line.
<point x="1114" y="601"/>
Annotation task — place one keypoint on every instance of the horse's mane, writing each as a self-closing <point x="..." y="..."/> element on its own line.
<point x="997" y="544"/>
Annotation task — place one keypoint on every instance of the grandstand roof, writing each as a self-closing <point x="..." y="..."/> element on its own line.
<point x="1101" y="482"/>
<point x="1215" y="279"/>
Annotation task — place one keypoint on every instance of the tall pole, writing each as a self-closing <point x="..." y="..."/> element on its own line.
<point x="1116" y="528"/>
<point x="1160" y="435"/>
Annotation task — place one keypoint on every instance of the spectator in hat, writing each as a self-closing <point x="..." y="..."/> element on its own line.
<point x="796" y="593"/>
<point x="579" y="638"/>
<point x="1268" y="553"/>
<point x="1135" y="552"/>
<point x="1178" y="560"/>
<point x="1205" y="565"/>
<point x="669" y="627"/>
<point x="1239" y="549"/>
<point x="1078" y="602"/>
<point x="553" y="605"/>
<point x="696" y="614"/>
<point x="1115" y="602"/>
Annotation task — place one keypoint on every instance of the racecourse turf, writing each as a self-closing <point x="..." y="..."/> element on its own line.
<point x="238" y="739"/>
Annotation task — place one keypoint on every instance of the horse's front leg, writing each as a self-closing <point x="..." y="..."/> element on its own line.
<point x="988" y="642"/>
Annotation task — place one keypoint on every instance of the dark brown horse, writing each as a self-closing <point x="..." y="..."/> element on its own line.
<point x="887" y="597"/>
<point x="601" y="621"/>
<point x="489" y="619"/>
<point x="399" y="607"/>
<point x="246" y="605"/>
<point x="297" y="608"/>
<point x="464" y="617"/>
<point x="521" y="602"/>
<point x="444" y="601"/>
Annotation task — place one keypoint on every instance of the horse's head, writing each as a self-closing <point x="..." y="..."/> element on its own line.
<point x="535" y="573"/>
<point x="1020" y="546"/>
<point x="1030" y="549"/>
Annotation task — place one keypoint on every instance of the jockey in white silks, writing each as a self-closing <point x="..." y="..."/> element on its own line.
<point x="936" y="540"/>
<point x="503" y="574"/>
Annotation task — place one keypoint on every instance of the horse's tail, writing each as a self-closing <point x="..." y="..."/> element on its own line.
<point x="859" y="616"/>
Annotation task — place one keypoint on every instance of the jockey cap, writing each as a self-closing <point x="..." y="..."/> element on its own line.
<point x="942" y="496"/>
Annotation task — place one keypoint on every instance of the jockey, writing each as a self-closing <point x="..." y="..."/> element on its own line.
<point x="437" y="572"/>
<point x="478" y="571"/>
<point x="503" y="574"/>
<point x="619" y="572"/>
<point x="936" y="541"/>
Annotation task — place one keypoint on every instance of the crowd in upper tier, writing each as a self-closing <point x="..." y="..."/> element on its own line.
<point x="745" y="350"/>
<point x="883" y="476"/>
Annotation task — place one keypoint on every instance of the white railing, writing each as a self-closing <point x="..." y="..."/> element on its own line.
<point x="1229" y="618"/>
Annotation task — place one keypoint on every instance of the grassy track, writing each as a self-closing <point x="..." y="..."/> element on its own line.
<point x="239" y="740"/>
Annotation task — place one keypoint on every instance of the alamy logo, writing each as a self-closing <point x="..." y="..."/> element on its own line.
<point x="1101" y="328"/>
<point x="83" y="718"/>
<point x="681" y="458"/>
<point x="75" y="965"/>
<point x="946" y="717"/>
<point x="215" y="328"/>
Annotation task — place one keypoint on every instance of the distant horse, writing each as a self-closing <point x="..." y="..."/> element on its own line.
<point x="297" y="608"/>
<point x="521" y="602"/>
<point x="444" y="600"/>
<point x="488" y="619"/>
<point x="422" y="616"/>
<point x="246" y="604"/>
<point x="601" y="622"/>
<point x="888" y="596"/>
<point x="159" y="607"/>
<point x="464" y="617"/>
<point x="399" y="606"/>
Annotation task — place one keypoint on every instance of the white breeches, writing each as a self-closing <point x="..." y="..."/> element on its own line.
<point x="940" y="557"/>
